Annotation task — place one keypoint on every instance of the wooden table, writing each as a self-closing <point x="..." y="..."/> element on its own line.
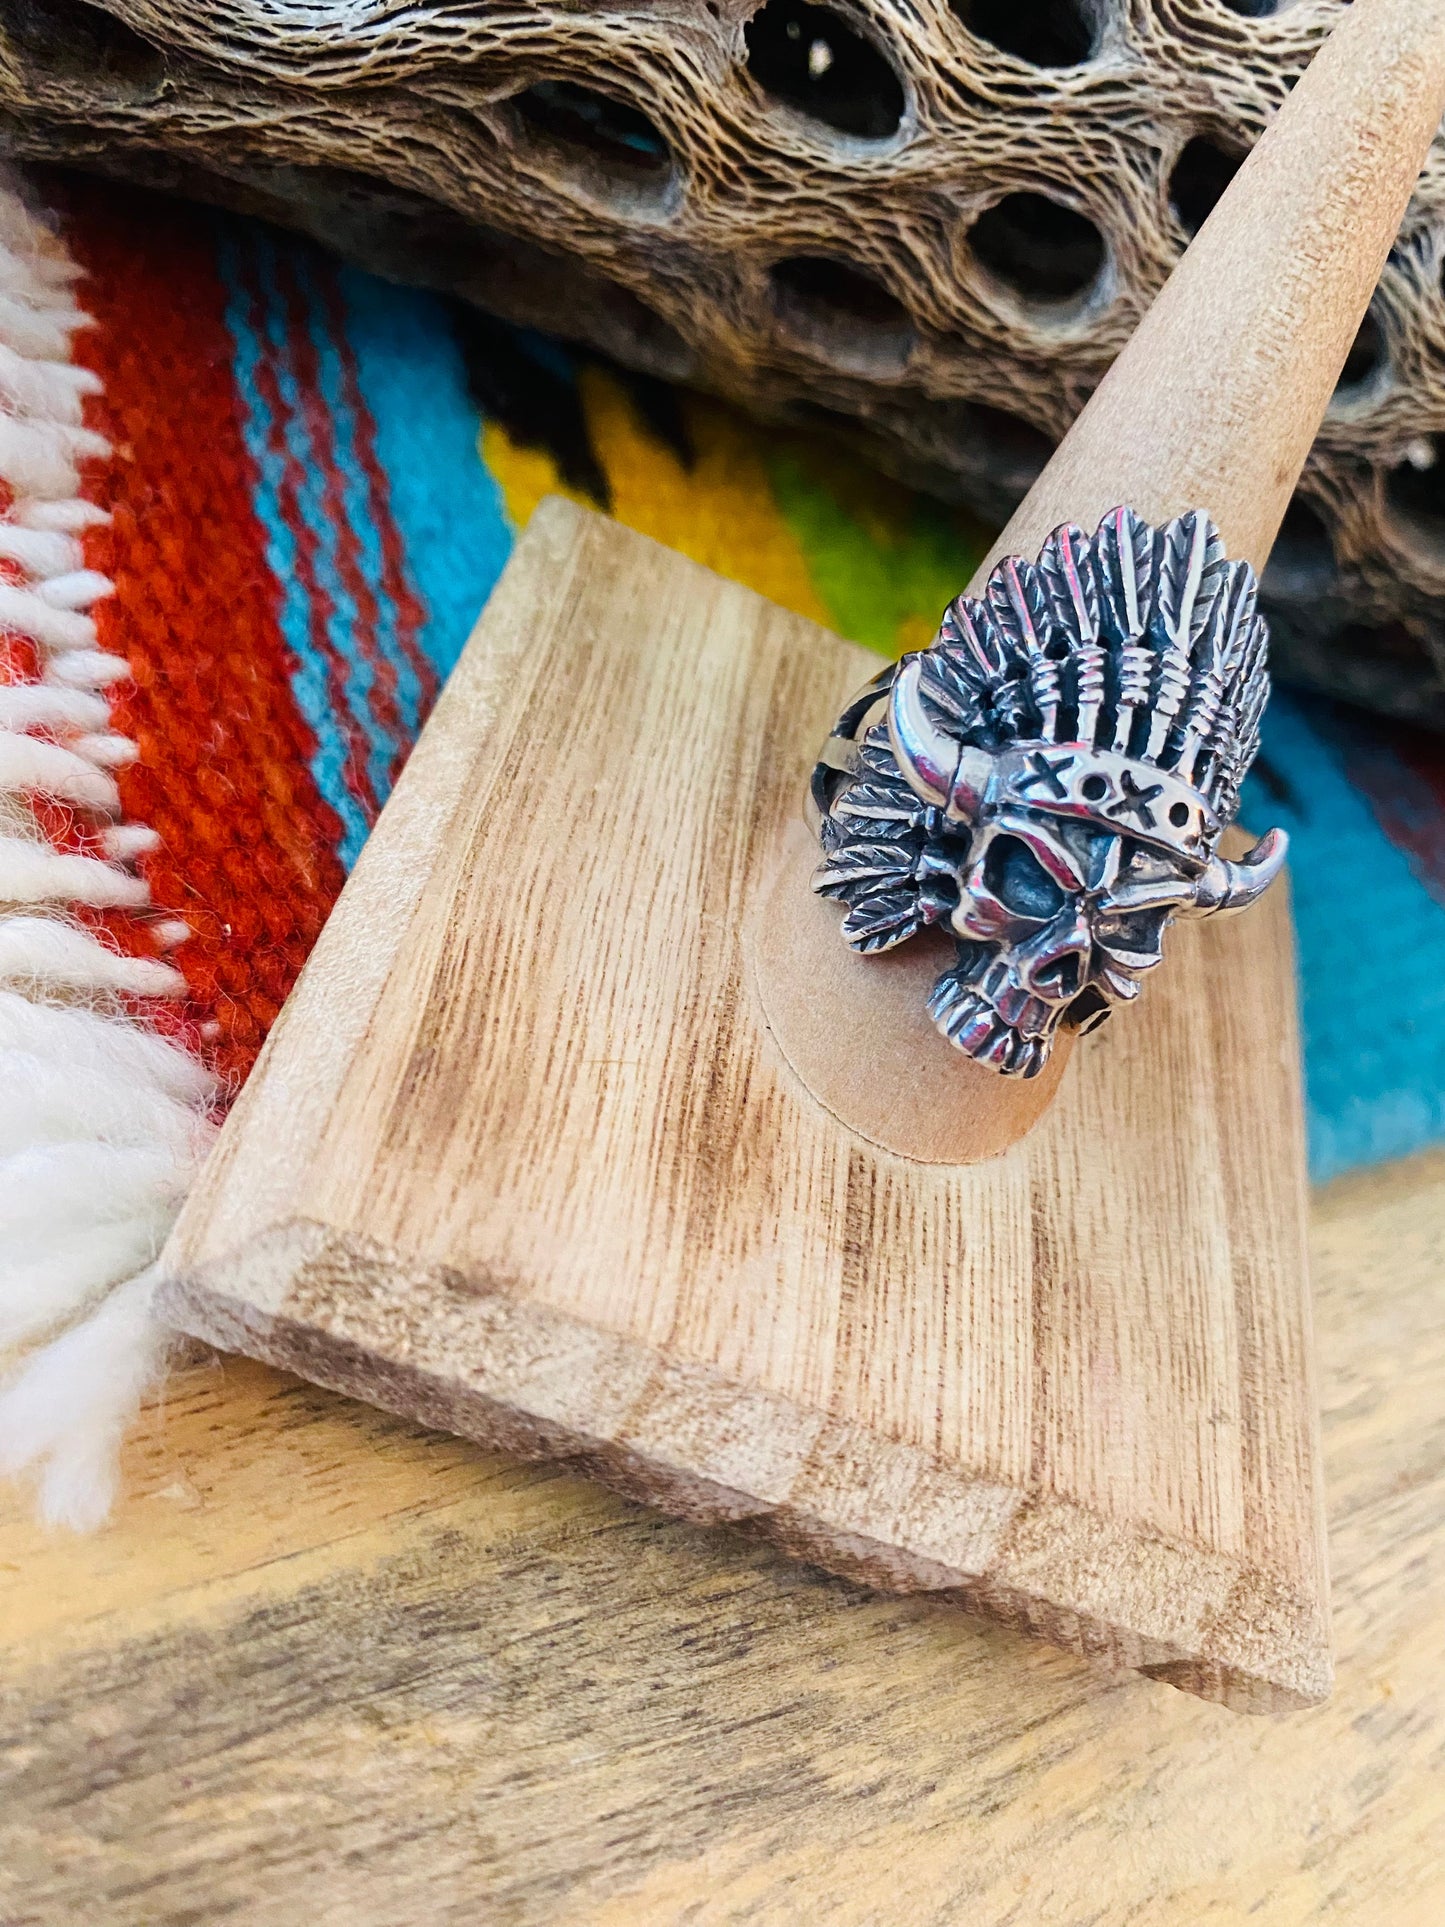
<point x="325" y="1668"/>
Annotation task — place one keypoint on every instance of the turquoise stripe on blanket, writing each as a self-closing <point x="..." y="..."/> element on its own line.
<point x="251" y="320"/>
<point x="443" y="499"/>
<point x="1371" y="947"/>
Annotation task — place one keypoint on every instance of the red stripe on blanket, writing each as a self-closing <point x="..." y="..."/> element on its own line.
<point x="321" y="612"/>
<point x="321" y="431"/>
<point x="248" y="847"/>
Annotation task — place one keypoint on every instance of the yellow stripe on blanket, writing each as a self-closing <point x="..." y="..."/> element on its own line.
<point x="721" y="511"/>
<point x="797" y="519"/>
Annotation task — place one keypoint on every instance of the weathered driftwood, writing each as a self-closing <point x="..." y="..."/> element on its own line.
<point x="930" y="226"/>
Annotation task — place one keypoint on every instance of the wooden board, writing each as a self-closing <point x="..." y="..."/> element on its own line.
<point x="522" y="1160"/>
<point x="326" y="1666"/>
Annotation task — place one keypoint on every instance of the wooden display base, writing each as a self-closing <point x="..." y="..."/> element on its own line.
<point x="524" y="1159"/>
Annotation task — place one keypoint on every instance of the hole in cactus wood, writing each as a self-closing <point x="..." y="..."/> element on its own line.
<point x="1201" y="174"/>
<point x="1046" y="33"/>
<point x="1254" y="9"/>
<point x="1301" y="565"/>
<point x="819" y="63"/>
<point x="847" y="315"/>
<point x="1043" y="251"/>
<point x="1365" y="359"/>
<point x="85" y="44"/>
<point x="596" y="128"/>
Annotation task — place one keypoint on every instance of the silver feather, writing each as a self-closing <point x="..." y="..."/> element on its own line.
<point x="1019" y="608"/>
<point x="1218" y="655"/>
<point x="1191" y="556"/>
<point x="1067" y="576"/>
<point x="1125" y="547"/>
<point x="966" y="625"/>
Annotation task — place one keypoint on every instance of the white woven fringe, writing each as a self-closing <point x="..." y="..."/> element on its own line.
<point x="102" y="1122"/>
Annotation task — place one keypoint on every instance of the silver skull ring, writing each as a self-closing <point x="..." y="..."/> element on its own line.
<point x="1048" y="781"/>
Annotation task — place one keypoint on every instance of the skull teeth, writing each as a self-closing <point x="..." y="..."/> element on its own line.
<point x="963" y="1017"/>
<point x="998" y="1050"/>
<point x="1028" y="1059"/>
<point x="947" y="996"/>
<point x="977" y="1033"/>
<point x="958" y="1006"/>
<point x="989" y="1031"/>
<point x="1013" y="1004"/>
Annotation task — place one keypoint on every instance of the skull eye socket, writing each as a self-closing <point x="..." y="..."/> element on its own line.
<point x="1013" y="874"/>
<point x="1138" y="930"/>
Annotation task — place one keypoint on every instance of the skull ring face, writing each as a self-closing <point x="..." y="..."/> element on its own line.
<point x="1049" y="781"/>
<point x="1043" y="936"/>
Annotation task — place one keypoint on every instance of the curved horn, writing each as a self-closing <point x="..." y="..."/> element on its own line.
<point x="1229" y="887"/>
<point x="927" y="755"/>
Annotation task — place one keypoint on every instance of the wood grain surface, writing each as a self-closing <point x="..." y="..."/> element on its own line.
<point x="328" y="1668"/>
<point x="522" y="1160"/>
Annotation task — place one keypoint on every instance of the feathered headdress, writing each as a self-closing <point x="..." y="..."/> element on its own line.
<point x="1120" y="679"/>
<point x="1138" y="641"/>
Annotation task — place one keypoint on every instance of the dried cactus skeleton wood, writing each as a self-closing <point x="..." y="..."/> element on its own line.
<point x="928" y="226"/>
